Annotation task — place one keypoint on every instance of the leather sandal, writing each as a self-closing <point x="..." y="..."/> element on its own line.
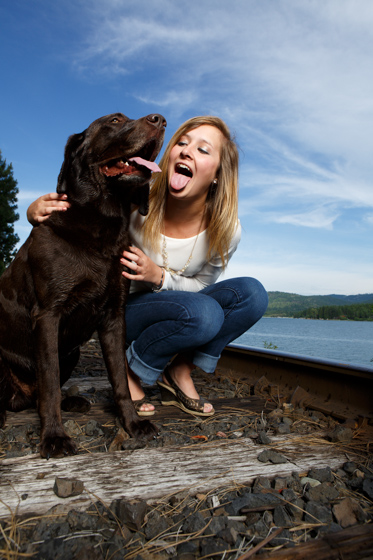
<point x="172" y="395"/>
<point x="138" y="404"/>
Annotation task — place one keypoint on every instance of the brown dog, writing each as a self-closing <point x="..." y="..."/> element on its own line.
<point x="65" y="282"/>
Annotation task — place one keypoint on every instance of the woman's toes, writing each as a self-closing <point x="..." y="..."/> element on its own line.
<point x="146" y="407"/>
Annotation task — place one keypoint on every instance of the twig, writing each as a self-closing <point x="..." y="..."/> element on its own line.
<point x="260" y="545"/>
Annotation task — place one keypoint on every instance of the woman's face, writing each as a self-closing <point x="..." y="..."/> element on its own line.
<point x="194" y="162"/>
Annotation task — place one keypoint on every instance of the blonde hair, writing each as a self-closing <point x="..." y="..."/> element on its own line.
<point x="221" y="202"/>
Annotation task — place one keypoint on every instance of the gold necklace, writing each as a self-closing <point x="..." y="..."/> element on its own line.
<point x="165" y="254"/>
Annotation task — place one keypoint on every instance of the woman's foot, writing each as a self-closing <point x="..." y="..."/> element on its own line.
<point x="179" y="372"/>
<point x="138" y="395"/>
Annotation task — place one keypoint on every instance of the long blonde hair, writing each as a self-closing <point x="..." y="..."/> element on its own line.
<point x="222" y="199"/>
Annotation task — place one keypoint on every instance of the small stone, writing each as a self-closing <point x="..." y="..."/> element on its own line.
<point x="350" y="467"/>
<point x="120" y="437"/>
<point x="348" y="512"/>
<point x="131" y="513"/>
<point x="279" y="484"/>
<point x="66" y="487"/>
<point x="155" y="525"/>
<point x="72" y="391"/>
<point x="283" y="428"/>
<point x="368" y="487"/>
<point x="93" y="428"/>
<point x="281" y="517"/>
<point x="310" y="481"/>
<point x="211" y="546"/>
<point x="323" y="493"/>
<point x="76" y="404"/>
<point x="270" y="456"/>
<point x="261" y="385"/>
<point x="317" y="513"/>
<point x="261" y="484"/>
<point x="72" y="428"/>
<point x="322" y="474"/>
<point x="194" y="523"/>
<point x="263" y="438"/>
<point x="229" y="535"/>
<point x="340" y="434"/>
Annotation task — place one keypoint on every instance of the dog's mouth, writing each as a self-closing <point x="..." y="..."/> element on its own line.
<point x="139" y="163"/>
<point x="131" y="166"/>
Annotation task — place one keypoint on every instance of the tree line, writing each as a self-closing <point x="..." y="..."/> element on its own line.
<point x="355" y="312"/>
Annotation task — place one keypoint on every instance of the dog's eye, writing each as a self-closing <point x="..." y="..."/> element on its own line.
<point x="115" y="120"/>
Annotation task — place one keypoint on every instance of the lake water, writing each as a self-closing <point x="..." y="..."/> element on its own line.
<point x="348" y="342"/>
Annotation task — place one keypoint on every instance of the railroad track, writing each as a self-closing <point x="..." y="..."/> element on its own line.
<point x="272" y="380"/>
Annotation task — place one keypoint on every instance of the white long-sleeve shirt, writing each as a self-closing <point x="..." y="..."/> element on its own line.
<point x="200" y="272"/>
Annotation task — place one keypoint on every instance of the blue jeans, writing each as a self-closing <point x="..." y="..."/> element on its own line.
<point x="196" y="324"/>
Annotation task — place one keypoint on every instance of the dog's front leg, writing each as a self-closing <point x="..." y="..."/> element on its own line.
<point x="54" y="441"/>
<point x="112" y="339"/>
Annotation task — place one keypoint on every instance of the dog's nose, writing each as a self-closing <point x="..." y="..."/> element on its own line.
<point x="157" y="120"/>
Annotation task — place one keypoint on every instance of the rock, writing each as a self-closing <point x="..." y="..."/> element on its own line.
<point x="261" y="385"/>
<point x="348" y="512"/>
<point x="279" y="484"/>
<point x="155" y="525"/>
<point x="281" y="517"/>
<point x="229" y="535"/>
<point x="263" y="438"/>
<point x="300" y="398"/>
<point x="93" y="428"/>
<point x="72" y="391"/>
<point x="323" y="475"/>
<point x="72" y="428"/>
<point x="350" y="467"/>
<point x="312" y="482"/>
<point x="213" y="546"/>
<point x="317" y="513"/>
<point x="76" y="404"/>
<point x="368" y="487"/>
<point x="66" y="487"/>
<point x="340" y="434"/>
<point x="270" y="456"/>
<point x="261" y="484"/>
<point x="323" y="493"/>
<point x="80" y="521"/>
<point x="194" y="523"/>
<point x="131" y="512"/>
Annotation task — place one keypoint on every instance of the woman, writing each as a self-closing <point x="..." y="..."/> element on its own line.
<point x="177" y="316"/>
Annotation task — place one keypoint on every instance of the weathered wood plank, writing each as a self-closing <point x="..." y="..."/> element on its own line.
<point x="153" y="473"/>
<point x="354" y="543"/>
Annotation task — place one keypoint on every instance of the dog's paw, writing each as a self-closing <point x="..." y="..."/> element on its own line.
<point x="143" y="429"/>
<point x="58" y="446"/>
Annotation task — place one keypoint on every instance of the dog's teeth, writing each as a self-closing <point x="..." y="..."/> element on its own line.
<point x="127" y="164"/>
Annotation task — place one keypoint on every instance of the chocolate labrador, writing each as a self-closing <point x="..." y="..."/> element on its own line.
<point x="65" y="282"/>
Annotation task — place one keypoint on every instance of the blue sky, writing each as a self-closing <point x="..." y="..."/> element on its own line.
<point x="293" y="80"/>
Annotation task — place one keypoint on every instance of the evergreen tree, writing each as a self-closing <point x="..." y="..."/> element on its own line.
<point x="8" y="214"/>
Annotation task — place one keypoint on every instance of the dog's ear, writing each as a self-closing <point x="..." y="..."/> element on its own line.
<point x="73" y="145"/>
<point x="140" y="197"/>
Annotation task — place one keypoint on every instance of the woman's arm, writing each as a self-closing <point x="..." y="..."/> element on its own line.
<point x="42" y="207"/>
<point x="144" y="269"/>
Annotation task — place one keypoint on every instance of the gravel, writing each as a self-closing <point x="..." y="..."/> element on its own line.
<point x="224" y="524"/>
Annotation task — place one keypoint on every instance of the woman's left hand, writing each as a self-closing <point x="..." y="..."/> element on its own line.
<point x="144" y="269"/>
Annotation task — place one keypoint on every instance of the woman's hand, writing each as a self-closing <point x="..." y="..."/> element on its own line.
<point x="42" y="207"/>
<point x="144" y="269"/>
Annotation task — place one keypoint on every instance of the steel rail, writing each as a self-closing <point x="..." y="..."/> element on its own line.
<point x="342" y="389"/>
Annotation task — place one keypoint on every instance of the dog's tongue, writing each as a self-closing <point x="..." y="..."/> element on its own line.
<point x="149" y="164"/>
<point x="179" y="181"/>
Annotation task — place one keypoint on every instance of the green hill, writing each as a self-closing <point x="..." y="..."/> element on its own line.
<point x="283" y="304"/>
